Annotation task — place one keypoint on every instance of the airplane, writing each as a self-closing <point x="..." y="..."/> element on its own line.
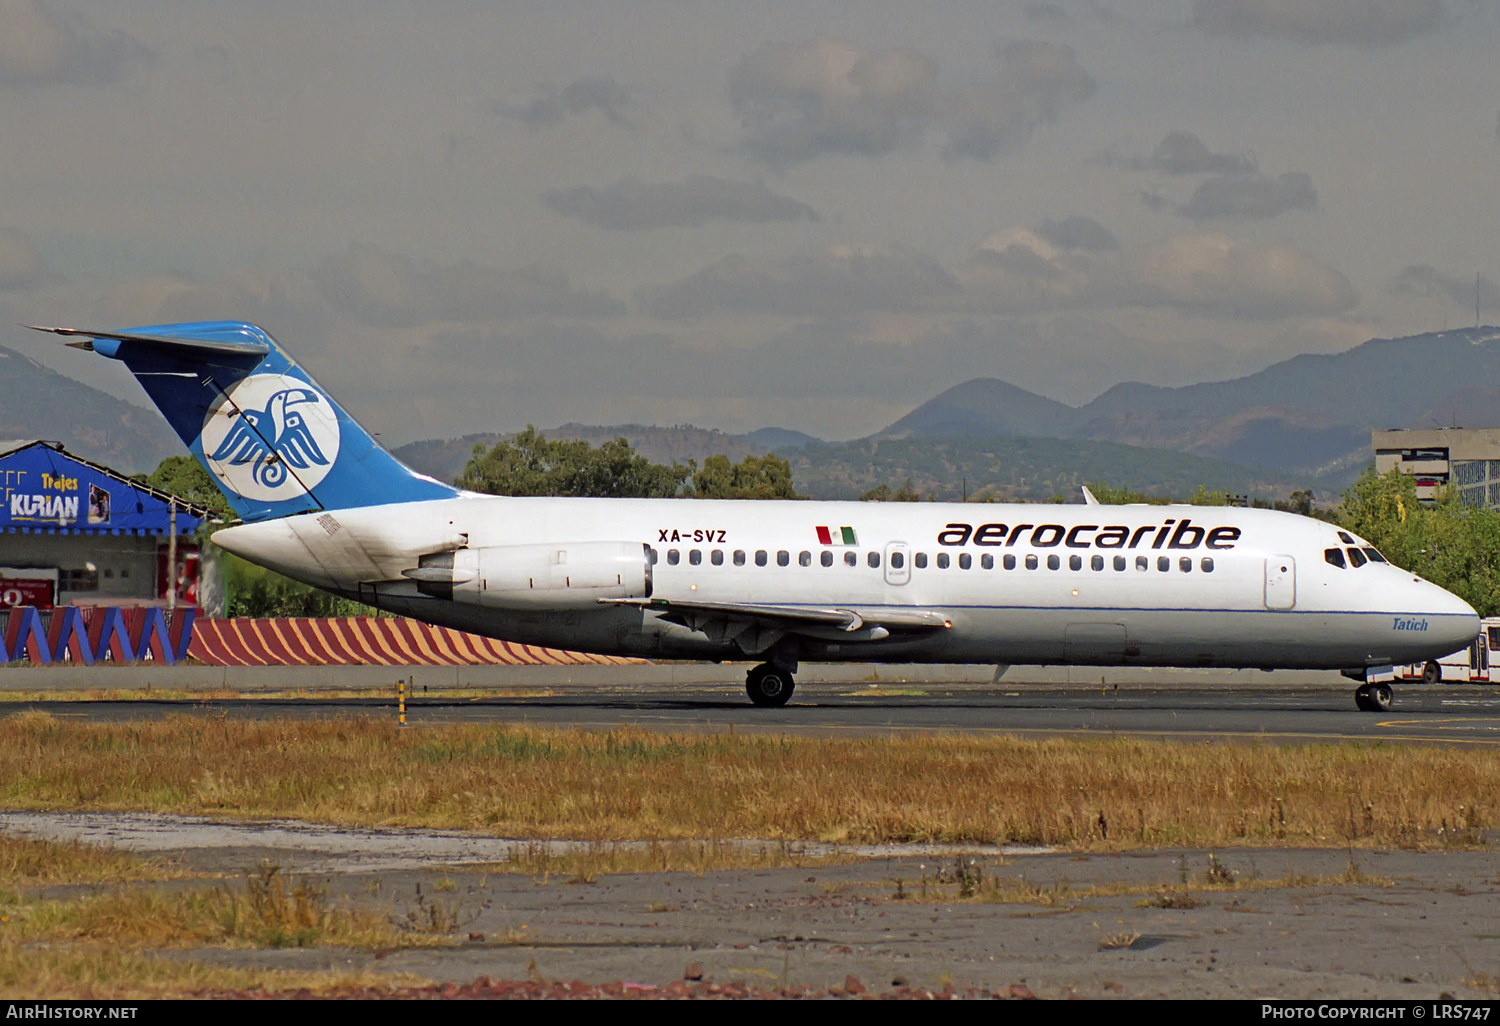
<point x="783" y="582"/>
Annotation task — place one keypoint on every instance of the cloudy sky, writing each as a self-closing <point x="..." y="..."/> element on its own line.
<point x="473" y="215"/>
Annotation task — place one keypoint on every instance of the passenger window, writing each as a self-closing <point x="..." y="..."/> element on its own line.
<point x="1031" y="562"/>
<point x="651" y="556"/>
<point x="1163" y="563"/>
<point x="804" y="558"/>
<point x="1053" y="563"/>
<point x="673" y="557"/>
<point x="783" y="557"/>
<point x="760" y="557"/>
<point x="739" y="557"/>
<point x="1097" y="562"/>
<point x="827" y="557"/>
<point x="873" y="559"/>
<point x="1207" y="563"/>
<point x="920" y="561"/>
<point x="897" y="561"/>
<point x="851" y="558"/>
<point x="716" y="557"/>
<point x="1119" y="562"/>
<point x="1334" y="557"/>
<point x="942" y="560"/>
<point x="1357" y="558"/>
<point x="1142" y="563"/>
<point x="1185" y="564"/>
<point x="965" y="561"/>
<point x="987" y="561"/>
<point x="695" y="557"/>
<point x="1010" y="561"/>
<point x="1075" y="562"/>
<point x="1373" y="553"/>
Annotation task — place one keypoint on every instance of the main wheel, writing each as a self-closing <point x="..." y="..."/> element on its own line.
<point x="1432" y="673"/>
<point x="1373" y="697"/>
<point x="769" y="685"/>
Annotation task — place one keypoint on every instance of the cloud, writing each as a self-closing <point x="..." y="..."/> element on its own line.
<point x="1251" y="197"/>
<point x="1216" y="274"/>
<point x="40" y="47"/>
<point x="1183" y="153"/>
<point x="1036" y="81"/>
<point x="1364" y="22"/>
<point x="835" y="281"/>
<point x="21" y="263"/>
<point x="1426" y="280"/>
<point x="1018" y="271"/>
<point x="383" y="288"/>
<point x="630" y="204"/>
<point x="800" y="101"/>
<point x="1053" y="14"/>
<point x="551" y="104"/>
<point x="1076" y="232"/>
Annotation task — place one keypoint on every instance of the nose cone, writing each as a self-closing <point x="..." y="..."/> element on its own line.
<point x="1455" y="623"/>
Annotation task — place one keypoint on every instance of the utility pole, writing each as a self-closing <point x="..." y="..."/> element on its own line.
<point x="172" y="556"/>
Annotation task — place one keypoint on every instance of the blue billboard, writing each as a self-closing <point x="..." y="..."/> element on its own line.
<point x="45" y="490"/>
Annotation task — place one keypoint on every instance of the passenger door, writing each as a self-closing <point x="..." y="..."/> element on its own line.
<point x="1281" y="582"/>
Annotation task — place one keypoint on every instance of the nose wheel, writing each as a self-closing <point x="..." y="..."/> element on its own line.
<point x="1373" y="697"/>
<point x="769" y="685"/>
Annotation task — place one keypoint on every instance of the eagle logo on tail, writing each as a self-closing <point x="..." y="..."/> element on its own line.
<point x="271" y="437"/>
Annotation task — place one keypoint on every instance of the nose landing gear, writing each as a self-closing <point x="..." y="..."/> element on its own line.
<point x="769" y="685"/>
<point x="1373" y="697"/>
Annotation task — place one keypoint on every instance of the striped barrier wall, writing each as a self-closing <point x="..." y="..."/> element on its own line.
<point x="365" y="641"/>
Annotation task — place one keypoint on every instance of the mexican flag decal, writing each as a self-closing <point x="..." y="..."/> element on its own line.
<point x="837" y="536"/>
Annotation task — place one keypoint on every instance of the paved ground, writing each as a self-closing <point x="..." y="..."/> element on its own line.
<point x="1286" y="710"/>
<point x="1366" y="924"/>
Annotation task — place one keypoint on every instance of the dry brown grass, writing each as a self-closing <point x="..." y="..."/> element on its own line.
<point x="267" y="912"/>
<point x="81" y="971"/>
<point x="27" y="861"/>
<point x="629" y="784"/>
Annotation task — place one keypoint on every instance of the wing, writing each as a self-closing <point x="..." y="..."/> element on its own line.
<point x="756" y="627"/>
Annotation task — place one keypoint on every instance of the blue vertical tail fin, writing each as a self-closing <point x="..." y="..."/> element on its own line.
<point x="273" y="440"/>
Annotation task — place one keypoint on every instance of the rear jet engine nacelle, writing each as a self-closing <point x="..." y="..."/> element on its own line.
<point x="561" y="575"/>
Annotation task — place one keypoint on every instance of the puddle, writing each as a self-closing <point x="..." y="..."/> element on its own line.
<point x="314" y="848"/>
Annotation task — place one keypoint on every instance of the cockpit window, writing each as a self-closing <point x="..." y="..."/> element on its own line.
<point x="1357" y="558"/>
<point x="1346" y="538"/>
<point x="1374" y="554"/>
<point x="1334" y="557"/>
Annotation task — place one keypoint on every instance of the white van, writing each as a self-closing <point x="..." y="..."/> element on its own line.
<point x="1466" y="666"/>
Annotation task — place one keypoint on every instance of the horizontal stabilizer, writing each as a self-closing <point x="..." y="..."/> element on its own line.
<point x="203" y="345"/>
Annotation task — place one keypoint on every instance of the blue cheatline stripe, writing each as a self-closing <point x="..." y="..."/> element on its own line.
<point x="939" y="607"/>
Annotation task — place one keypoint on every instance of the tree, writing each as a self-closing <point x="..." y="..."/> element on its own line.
<point x="754" y="477"/>
<point x="184" y="477"/>
<point x="883" y="493"/>
<point x="1448" y="543"/>
<point x="530" y="464"/>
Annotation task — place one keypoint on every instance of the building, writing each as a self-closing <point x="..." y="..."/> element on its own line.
<point x="73" y="532"/>
<point x="1468" y="460"/>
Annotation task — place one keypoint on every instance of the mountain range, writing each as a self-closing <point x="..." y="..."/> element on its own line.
<point x="1309" y="416"/>
<point x="39" y="403"/>
<point x="1303" y="422"/>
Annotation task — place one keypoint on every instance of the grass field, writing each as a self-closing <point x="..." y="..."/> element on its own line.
<point x="632" y="785"/>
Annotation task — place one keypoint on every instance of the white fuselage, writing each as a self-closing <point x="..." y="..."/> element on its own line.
<point x="1093" y="584"/>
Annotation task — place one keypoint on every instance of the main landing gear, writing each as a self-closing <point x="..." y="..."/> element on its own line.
<point x="769" y="684"/>
<point x="1373" y="697"/>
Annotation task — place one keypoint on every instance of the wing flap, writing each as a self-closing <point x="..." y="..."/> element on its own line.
<point x="791" y="617"/>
